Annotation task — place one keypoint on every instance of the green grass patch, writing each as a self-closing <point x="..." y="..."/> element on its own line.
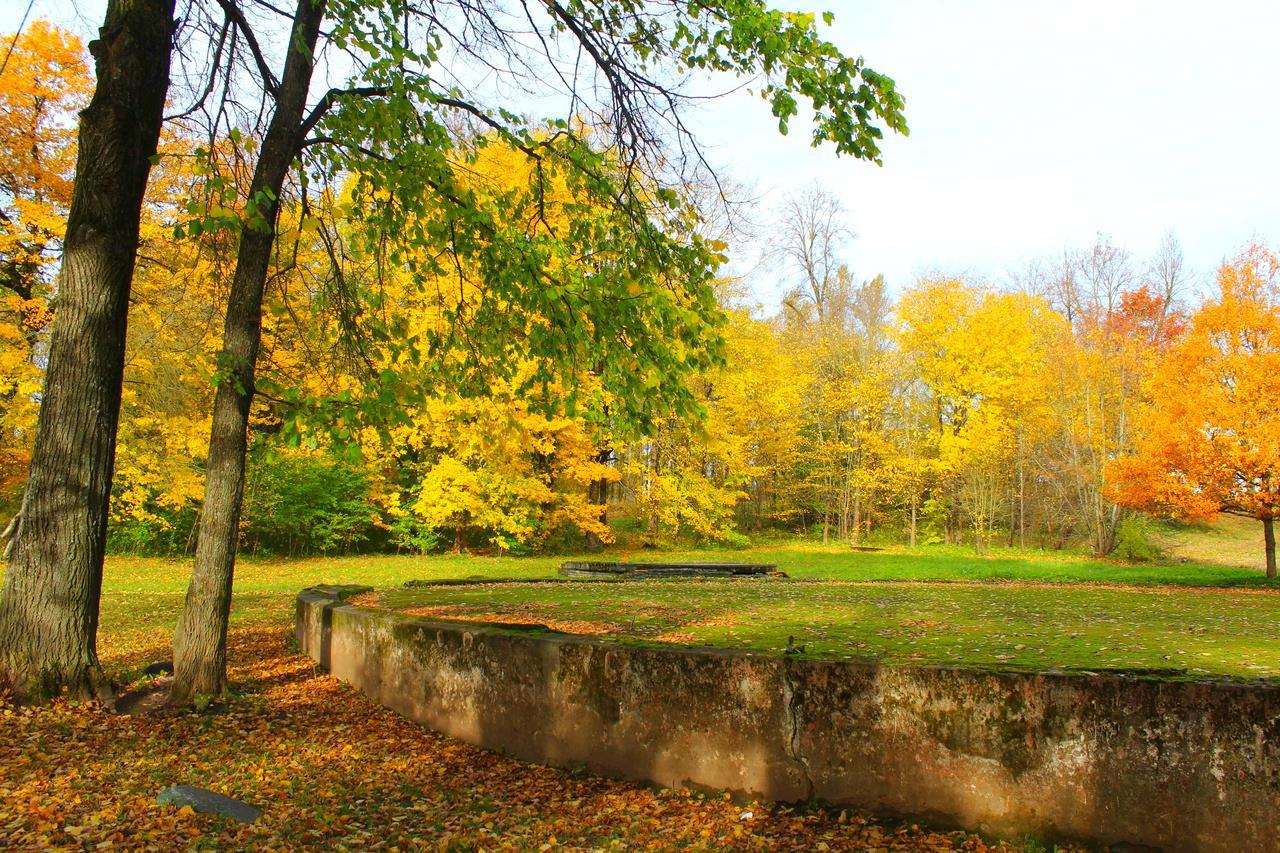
<point x="1158" y="632"/>
<point x="142" y="597"/>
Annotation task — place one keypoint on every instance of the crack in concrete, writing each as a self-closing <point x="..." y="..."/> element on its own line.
<point x="792" y="716"/>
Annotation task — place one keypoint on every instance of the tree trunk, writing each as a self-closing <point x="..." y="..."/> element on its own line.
<point x="1022" y="502"/>
<point x="855" y="532"/>
<point x="1269" y="543"/>
<point x="598" y="495"/>
<point x="913" y="521"/>
<point x="200" y="642"/>
<point x="49" y="603"/>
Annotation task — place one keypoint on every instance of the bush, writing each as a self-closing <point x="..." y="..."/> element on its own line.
<point x="166" y="533"/>
<point x="296" y="505"/>
<point x="410" y="534"/>
<point x="734" y="540"/>
<point x="1134" y="542"/>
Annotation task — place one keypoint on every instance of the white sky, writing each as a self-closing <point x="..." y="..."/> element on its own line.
<point x="1034" y="125"/>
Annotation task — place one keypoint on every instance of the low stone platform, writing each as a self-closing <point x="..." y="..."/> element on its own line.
<point x="1178" y="766"/>
<point x="591" y="569"/>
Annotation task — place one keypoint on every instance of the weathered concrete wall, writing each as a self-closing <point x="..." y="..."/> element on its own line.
<point x="1179" y="766"/>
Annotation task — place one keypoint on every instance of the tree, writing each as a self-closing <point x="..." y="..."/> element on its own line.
<point x="49" y="602"/>
<point x="46" y="81"/>
<point x="811" y="234"/>
<point x="1209" y="439"/>
<point x="689" y="477"/>
<point x="983" y="357"/>
<point x="396" y="129"/>
<point x="1114" y="337"/>
<point x="199" y="647"/>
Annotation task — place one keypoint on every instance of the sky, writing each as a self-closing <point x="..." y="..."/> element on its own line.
<point x="1034" y="126"/>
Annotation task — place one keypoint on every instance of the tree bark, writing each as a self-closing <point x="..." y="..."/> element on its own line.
<point x="1269" y="543"/>
<point x="598" y="495"/>
<point x="49" y="602"/>
<point x="913" y="521"/>
<point x="855" y="532"/>
<point x="200" y="642"/>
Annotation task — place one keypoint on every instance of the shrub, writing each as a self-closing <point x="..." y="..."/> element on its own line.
<point x="1134" y="542"/>
<point x="296" y="504"/>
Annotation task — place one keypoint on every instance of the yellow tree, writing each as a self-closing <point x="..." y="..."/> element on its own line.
<point x="838" y="335"/>
<point x="45" y="82"/>
<point x="494" y="466"/>
<point x="1209" y="440"/>
<point x="983" y="358"/>
<point x="692" y="477"/>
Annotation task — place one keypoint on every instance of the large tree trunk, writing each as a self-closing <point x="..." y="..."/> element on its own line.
<point x="1269" y="543"/>
<point x="49" y="603"/>
<point x="200" y="642"/>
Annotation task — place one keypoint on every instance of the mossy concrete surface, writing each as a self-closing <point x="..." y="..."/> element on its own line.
<point x="1172" y="765"/>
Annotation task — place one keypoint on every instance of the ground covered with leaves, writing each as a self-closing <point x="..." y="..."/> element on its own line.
<point x="332" y="770"/>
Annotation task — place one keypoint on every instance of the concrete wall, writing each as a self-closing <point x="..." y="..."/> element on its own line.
<point x="1178" y="766"/>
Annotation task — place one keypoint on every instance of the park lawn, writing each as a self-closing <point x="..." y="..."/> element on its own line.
<point x="1167" y="632"/>
<point x="142" y="596"/>
<point x="145" y="590"/>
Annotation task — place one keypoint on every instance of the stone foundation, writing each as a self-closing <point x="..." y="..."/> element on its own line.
<point x="1106" y="760"/>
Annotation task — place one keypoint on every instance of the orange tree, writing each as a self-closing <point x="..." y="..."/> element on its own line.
<point x="1209" y="440"/>
<point x="46" y="80"/>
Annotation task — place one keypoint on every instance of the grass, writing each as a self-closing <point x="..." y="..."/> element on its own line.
<point x="1156" y="631"/>
<point x="1188" y="619"/>
<point x="1229" y="541"/>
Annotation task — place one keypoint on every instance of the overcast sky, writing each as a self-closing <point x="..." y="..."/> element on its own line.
<point x="1033" y="126"/>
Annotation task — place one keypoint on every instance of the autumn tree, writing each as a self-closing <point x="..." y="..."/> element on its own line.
<point x="1119" y="320"/>
<point x="49" y="602"/>
<point x="396" y="127"/>
<point x="46" y="79"/>
<point x="982" y="357"/>
<point x="1209" y="439"/>
<point x="704" y="477"/>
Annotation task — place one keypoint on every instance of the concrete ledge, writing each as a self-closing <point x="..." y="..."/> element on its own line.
<point x="1173" y="765"/>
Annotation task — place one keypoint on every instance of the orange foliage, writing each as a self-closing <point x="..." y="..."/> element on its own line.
<point x="1209" y="441"/>
<point x="45" y="81"/>
<point x="333" y="770"/>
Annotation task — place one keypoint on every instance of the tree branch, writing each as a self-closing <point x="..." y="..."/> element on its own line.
<point x="237" y="17"/>
<point x="330" y="98"/>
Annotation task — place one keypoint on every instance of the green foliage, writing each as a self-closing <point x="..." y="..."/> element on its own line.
<point x="296" y="504"/>
<point x="161" y="532"/>
<point x="293" y="505"/>
<point x="734" y="540"/>
<point x="410" y="534"/>
<point x="1134" y="542"/>
<point x="932" y="522"/>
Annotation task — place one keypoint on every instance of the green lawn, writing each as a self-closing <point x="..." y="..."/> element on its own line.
<point x="970" y="610"/>
<point x="1165" y="632"/>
